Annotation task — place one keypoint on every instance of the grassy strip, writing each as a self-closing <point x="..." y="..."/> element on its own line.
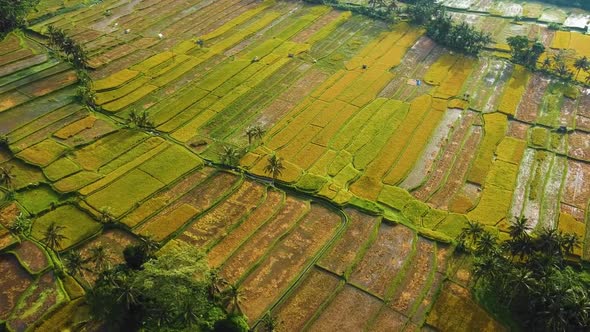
<point x="514" y="91"/>
<point x="495" y="126"/>
<point x="101" y="152"/>
<point x="109" y="197"/>
<point x="124" y="169"/>
<point x="169" y="196"/>
<point x="77" y="225"/>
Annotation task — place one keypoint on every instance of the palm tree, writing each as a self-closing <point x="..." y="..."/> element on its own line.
<point x="520" y="280"/>
<point x="472" y="231"/>
<point x="189" y="312"/>
<point x="52" y="237"/>
<point x="569" y="242"/>
<point x="519" y="227"/>
<point x="549" y="242"/>
<point x="559" y="57"/>
<point x="140" y="120"/>
<point x="106" y="216"/>
<point x="229" y="155"/>
<point x="547" y="63"/>
<point x="522" y="246"/>
<point x="270" y="323"/>
<point x="486" y="268"/>
<point x="6" y="176"/>
<point x="217" y="283"/>
<point x="100" y="257"/>
<point x="127" y="294"/>
<point x="148" y="245"/>
<point x="253" y="132"/>
<point x="562" y="70"/>
<point x="74" y="263"/>
<point x="274" y="167"/>
<point x="233" y="299"/>
<point x="487" y="243"/>
<point x="581" y="64"/>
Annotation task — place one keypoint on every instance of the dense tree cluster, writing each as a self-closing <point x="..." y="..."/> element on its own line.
<point x="527" y="52"/>
<point x="439" y="26"/>
<point x="12" y="14"/>
<point x="175" y="291"/>
<point x="530" y="275"/>
<point x="71" y="50"/>
<point x="524" y="51"/>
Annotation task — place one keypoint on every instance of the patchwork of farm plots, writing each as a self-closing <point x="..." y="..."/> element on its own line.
<point x="364" y="115"/>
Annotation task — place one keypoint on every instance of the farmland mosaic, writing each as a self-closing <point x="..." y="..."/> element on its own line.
<point x="390" y="145"/>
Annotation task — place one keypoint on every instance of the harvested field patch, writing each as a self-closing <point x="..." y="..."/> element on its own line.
<point x="31" y="256"/>
<point x="263" y="239"/>
<point x="384" y="259"/>
<point x="15" y="280"/>
<point x="288" y="258"/>
<point x="337" y="314"/>
<point x="305" y="300"/>
<point x="43" y="295"/>
<point x="340" y="258"/>
<point x="473" y="318"/>
<point x="271" y="205"/>
<point x="218" y="221"/>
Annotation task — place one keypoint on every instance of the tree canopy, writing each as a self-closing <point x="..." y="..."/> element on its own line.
<point x="12" y="14"/>
<point x="524" y="51"/>
<point x="168" y="293"/>
<point x="530" y="276"/>
<point x="439" y="26"/>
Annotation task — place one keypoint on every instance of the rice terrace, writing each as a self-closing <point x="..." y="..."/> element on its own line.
<point x="274" y="165"/>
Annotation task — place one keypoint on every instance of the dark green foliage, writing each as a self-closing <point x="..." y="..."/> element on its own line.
<point x="231" y="324"/>
<point x="12" y="14"/>
<point x="230" y="155"/>
<point x="460" y="37"/>
<point x="170" y="293"/>
<point x="70" y="49"/>
<point x="21" y="225"/>
<point x="6" y="177"/>
<point x="524" y="51"/>
<point x="140" y="120"/>
<point x="135" y="256"/>
<point x="530" y="277"/>
<point x="53" y="237"/>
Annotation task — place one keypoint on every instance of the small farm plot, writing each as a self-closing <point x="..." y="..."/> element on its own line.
<point x="290" y="256"/>
<point x="77" y="225"/>
<point x="14" y="282"/>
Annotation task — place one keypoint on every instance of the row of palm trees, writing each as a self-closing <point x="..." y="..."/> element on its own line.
<point x="530" y="274"/>
<point x="556" y="63"/>
<point x="231" y="155"/>
<point x="71" y="50"/>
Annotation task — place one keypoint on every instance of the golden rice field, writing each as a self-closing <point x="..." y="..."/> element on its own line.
<point x="381" y="173"/>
